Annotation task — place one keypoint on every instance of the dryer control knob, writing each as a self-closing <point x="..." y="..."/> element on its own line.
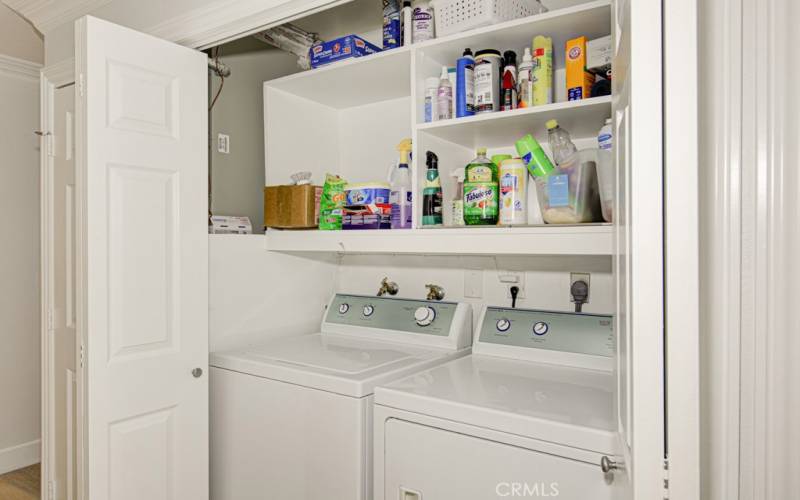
<point x="368" y="310"/>
<point x="503" y="325"/>
<point x="424" y="315"/>
<point x="344" y="307"/>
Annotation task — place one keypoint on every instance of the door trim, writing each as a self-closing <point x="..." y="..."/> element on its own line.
<point x="52" y="77"/>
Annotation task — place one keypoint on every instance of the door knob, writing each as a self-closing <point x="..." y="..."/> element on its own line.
<point x="198" y="372"/>
<point x="609" y="466"/>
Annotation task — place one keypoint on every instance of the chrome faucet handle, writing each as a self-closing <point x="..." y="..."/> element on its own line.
<point x="435" y="292"/>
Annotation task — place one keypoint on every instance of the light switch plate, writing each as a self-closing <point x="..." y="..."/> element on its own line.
<point x="473" y="283"/>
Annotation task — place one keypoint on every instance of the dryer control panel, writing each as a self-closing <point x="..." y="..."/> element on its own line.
<point x="579" y="333"/>
<point x="399" y="315"/>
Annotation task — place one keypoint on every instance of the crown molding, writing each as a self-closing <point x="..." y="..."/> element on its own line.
<point x="46" y="15"/>
<point x="19" y="68"/>
<point x="228" y="20"/>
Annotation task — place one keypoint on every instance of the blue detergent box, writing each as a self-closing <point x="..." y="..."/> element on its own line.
<point x="341" y="48"/>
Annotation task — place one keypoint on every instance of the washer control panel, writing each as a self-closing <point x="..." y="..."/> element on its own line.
<point x="405" y="315"/>
<point x="581" y="333"/>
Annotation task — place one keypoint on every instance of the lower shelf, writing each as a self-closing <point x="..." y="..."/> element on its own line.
<point x="587" y="239"/>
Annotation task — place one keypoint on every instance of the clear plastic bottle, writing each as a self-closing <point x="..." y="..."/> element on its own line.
<point x="561" y="146"/>
<point x="444" y="97"/>
<point x="481" y="191"/>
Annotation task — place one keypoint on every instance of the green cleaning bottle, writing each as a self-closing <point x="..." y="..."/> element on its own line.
<point x="481" y="191"/>
<point x="432" y="193"/>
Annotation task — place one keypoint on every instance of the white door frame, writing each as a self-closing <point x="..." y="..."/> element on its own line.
<point x="52" y="78"/>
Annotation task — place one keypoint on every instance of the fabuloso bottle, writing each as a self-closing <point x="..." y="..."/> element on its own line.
<point x="481" y="191"/>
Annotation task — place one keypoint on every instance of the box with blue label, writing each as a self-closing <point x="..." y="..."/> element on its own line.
<point x="341" y="48"/>
<point x="569" y="195"/>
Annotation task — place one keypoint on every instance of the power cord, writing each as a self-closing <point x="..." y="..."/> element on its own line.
<point x="580" y="294"/>
<point x="514" y="291"/>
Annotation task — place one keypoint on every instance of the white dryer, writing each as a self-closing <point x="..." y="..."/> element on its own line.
<point x="291" y="418"/>
<point x="527" y="415"/>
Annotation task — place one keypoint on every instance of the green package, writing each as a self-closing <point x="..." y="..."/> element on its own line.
<point x="331" y="204"/>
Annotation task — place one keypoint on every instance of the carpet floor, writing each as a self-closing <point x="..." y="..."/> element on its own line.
<point x="22" y="484"/>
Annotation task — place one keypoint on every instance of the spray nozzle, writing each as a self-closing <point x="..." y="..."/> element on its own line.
<point x="405" y="150"/>
<point x="432" y="161"/>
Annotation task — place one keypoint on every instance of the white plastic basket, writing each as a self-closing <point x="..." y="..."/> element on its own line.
<point x="455" y="16"/>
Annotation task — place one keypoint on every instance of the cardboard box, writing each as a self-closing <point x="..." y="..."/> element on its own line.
<point x="340" y="48"/>
<point x="579" y="80"/>
<point x="599" y="56"/>
<point x="292" y="207"/>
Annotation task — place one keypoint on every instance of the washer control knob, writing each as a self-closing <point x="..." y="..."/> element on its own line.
<point x="503" y="325"/>
<point x="540" y="328"/>
<point x="344" y="307"/>
<point x="424" y="315"/>
<point x="368" y="310"/>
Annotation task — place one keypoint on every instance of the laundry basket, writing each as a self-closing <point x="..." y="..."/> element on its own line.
<point x="455" y="16"/>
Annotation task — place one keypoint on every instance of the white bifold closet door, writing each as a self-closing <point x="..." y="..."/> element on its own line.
<point x="143" y="259"/>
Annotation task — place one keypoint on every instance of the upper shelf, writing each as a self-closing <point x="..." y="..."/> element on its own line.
<point x="352" y="82"/>
<point x="501" y="129"/>
<point x="585" y="239"/>
<point x="591" y="19"/>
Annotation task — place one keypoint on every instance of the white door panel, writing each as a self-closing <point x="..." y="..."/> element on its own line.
<point x="143" y="174"/>
<point x="638" y="259"/>
<point x="424" y="462"/>
<point x="62" y="334"/>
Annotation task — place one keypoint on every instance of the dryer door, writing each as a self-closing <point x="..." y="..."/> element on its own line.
<point x="424" y="463"/>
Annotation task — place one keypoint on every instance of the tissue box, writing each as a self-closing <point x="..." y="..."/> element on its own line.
<point x="599" y="56"/>
<point x="228" y="224"/>
<point x="292" y="207"/>
<point x="340" y="48"/>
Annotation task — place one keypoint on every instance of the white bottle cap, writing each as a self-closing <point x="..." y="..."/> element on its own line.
<point x="527" y="56"/>
<point x="444" y="73"/>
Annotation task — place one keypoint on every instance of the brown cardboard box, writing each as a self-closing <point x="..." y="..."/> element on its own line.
<point x="292" y="207"/>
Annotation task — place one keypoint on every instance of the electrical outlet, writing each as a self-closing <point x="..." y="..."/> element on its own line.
<point x="513" y="278"/>
<point x="223" y="144"/>
<point x="473" y="283"/>
<point x="586" y="278"/>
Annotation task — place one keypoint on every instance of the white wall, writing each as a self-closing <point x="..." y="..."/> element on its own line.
<point x="19" y="252"/>
<point x="238" y="177"/>
<point x="18" y="38"/>
<point x="255" y="294"/>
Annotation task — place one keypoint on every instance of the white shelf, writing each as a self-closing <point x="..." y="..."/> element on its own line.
<point x="591" y="19"/>
<point x="501" y="129"/>
<point x="587" y="239"/>
<point x="350" y="83"/>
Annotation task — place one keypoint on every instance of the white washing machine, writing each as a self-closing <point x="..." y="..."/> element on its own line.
<point x="291" y="419"/>
<point x="527" y="414"/>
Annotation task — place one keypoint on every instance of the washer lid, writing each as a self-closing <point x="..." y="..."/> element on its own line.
<point x="559" y="404"/>
<point x="336" y="363"/>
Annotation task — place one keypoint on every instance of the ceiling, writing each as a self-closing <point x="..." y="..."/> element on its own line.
<point x="48" y="14"/>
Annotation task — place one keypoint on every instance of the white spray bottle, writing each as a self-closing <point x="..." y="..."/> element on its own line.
<point x="400" y="196"/>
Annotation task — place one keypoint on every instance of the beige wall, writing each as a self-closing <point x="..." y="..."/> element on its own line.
<point x="18" y="38"/>
<point x="238" y="177"/>
<point x="19" y="251"/>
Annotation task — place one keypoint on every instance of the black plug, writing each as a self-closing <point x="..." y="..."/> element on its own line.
<point x="580" y="292"/>
<point x="514" y="290"/>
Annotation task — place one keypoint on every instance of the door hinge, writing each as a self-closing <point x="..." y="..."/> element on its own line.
<point x="80" y="353"/>
<point x="50" y="321"/>
<point x="666" y="479"/>
<point x="51" y="148"/>
<point x="81" y="85"/>
<point x="51" y="490"/>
